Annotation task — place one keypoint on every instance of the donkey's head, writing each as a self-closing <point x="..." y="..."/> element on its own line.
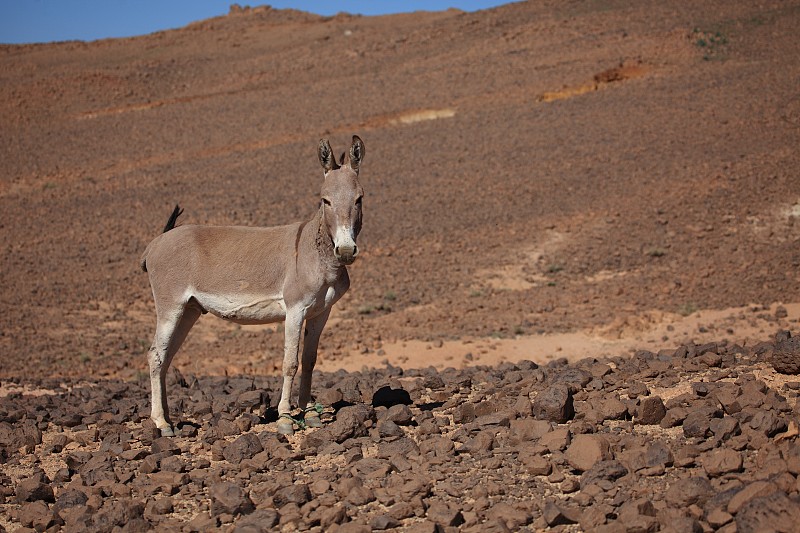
<point x="341" y="198"/>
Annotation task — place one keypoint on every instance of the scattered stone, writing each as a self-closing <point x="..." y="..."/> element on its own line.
<point x="444" y="515"/>
<point x="603" y="470"/>
<point x="560" y="515"/>
<point x="722" y="461"/>
<point x="554" y="404"/>
<point x="31" y="490"/>
<point x="229" y="498"/>
<point x="689" y="491"/>
<point x="774" y="512"/>
<point x="242" y="448"/>
<point x="400" y="414"/>
<point x="586" y="450"/>
<point x="297" y="494"/>
<point x="786" y="357"/>
<point x="650" y="411"/>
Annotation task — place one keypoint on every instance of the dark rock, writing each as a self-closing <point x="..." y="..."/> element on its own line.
<point x="689" y="491"/>
<point x="586" y="449"/>
<point x="158" y="507"/>
<point x="555" y="404"/>
<point x="698" y="422"/>
<point x="297" y="494"/>
<point x="658" y="454"/>
<point x="464" y="413"/>
<point x="242" y="448"/>
<point x="756" y="489"/>
<point x="556" y="440"/>
<point x="775" y="512"/>
<point x="70" y="498"/>
<point x="603" y="470"/>
<point x="32" y="489"/>
<point x="558" y="515"/>
<point x="173" y="463"/>
<point x="650" y="410"/>
<point x="400" y="414"/>
<point x="536" y="465"/>
<point x="444" y="515"/>
<point x="722" y="461"/>
<point x="98" y="468"/>
<point x="512" y="517"/>
<point x="332" y="515"/>
<point x="350" y="422"/>
<point x="165" y="445"/>
<point x="674" y="417"/>
<point x="38" y="515"/>
<point x="575" y="378"/>
<point x="383" y="521"/>
<point x="724" y="428"/>
<point x="767" y="423"/>
<point x="117" y="513"/>
<point x="786" y="357"/>
<point x="527" y="429"/>
<point x="400" y="447"/>
<point x="253" y="400"/>
<point x="261" y="520"/>
<point x="387" y="428"/>
<point x="229" y="498"/>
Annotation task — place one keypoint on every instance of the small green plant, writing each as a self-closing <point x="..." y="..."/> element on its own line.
<point x="85" y="357"/>
<point x="519" y="330"/>
<point x="553" y="269"/>
<point x="365" y="310"/>
<point x="390" y="296"/>
<point x="712" y="43"/>
<point x="475" y="294"/>
<point x="687" y="309"/>
<point x="551" y="283"/>
<point x="49" y="185"/>
<point x="657" y="252"/>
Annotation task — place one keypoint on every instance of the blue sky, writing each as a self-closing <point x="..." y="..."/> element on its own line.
<point x="30" y="21"/>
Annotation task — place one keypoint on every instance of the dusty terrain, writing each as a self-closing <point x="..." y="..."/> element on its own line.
<point x="545" y="183"/>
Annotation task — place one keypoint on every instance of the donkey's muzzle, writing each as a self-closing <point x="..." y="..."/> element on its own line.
<point x="346" y="254"/>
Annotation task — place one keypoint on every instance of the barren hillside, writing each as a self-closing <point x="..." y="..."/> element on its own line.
<point x="530" y="169"/>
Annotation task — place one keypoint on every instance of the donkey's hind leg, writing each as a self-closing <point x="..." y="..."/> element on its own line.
<point x="171" y="331"/>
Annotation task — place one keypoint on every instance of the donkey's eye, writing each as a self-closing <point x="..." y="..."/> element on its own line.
<point x="326" y="202"/>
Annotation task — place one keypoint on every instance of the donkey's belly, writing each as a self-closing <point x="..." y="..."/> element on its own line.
<point x="244" y="309"/>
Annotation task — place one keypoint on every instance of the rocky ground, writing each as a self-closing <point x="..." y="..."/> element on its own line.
<point x="579" y="262"/>
<point x="700" y="438"/>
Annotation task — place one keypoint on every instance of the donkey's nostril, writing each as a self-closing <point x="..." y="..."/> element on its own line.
<point x="355" y="250"/>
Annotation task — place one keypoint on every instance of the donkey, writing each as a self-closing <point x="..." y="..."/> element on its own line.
<point x="250" y="275"/>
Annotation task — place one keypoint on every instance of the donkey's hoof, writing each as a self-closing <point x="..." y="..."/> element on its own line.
<point x="168" y="431"/>
<point x="285" y="427"/>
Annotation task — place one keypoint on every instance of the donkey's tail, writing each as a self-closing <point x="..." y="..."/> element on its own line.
<point x="173" y="218"/>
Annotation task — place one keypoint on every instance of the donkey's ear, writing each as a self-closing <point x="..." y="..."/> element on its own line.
<point x="326" y="157"/>
<point x="356" y="153"/>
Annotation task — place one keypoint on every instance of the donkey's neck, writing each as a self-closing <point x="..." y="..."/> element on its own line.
<point x="323" y="244"/>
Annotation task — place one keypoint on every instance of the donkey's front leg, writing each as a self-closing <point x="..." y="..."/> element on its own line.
<point x="292" y="327"/>
<point x="314" y="327"/>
